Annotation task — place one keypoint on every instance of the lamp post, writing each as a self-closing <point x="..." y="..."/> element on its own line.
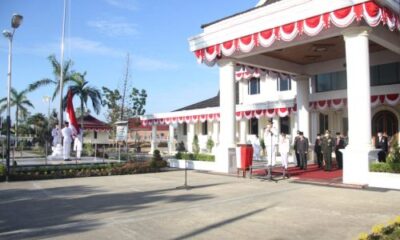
<point x="46" y="99"/>
<point x="16" y="21"/>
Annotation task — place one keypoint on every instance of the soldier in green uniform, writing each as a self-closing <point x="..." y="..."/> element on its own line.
<point x="328" y="146"/>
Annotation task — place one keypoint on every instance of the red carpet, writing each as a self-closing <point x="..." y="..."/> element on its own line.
<point x="312" y="173"/>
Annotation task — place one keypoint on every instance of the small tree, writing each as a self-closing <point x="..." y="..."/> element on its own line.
<point x="262" y="145"/>
<point x="195" y="144"/>
<point x="210" y="144"/>
<point x="157" y="161"/>
<point x="394" y="155"/>
<point x="180" y="147"/>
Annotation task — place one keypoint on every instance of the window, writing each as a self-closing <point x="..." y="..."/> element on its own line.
<point x="284" y="83"/>
<point x="323" y="123"/>
<point x="254" y="86"/>
<point x="95" y="134"/>
<point x="331" y="81"/>
<point x="204" y="128"/>
<point x="285" y="125"/>
<point x="184" y="129"/>
<point x="385" y="74"/>
<point x="253" y="126"/>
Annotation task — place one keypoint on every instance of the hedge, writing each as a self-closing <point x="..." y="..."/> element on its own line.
<point x="72" y="171"/>
<point x="385" y="167"/>
<point x="391" y="231"/>
<point x="195" y="157"/>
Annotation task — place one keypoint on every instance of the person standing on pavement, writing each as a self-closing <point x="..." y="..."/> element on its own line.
<point x="328" y="146"/>
<point x="67" y="140"/>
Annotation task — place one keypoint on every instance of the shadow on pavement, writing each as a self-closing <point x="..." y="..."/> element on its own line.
<point x="44" y="213"/>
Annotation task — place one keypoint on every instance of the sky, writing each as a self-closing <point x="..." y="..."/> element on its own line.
<point x="100" y="34"/>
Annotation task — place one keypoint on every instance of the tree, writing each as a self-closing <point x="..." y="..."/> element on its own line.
<point x="42" y="129"/>
<point x="79" y="86"/>
<point x="111" y="101"/>
<point x="67" y="76"/>
<point x="138" y="101"/>
<point x="21" y="103"/>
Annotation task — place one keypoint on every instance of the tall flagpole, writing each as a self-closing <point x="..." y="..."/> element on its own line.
<point x="60" y="117"/>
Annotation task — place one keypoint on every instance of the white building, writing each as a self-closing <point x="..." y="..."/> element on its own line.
<point x="306" y="64"/>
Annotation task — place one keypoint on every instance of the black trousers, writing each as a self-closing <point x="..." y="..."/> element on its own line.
<point x="339" y="159"/>
<point x="319" y="159"/>
<point x="382" y="156"/>
<point x="303" y="160"/>
<point x="297" y="160"/>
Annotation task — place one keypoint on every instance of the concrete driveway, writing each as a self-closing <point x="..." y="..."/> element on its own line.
<point x="149" y="206"/>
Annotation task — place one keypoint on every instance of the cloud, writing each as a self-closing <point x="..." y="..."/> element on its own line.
<point x="82" y="45"/>
<point x="130" y="5"/>
<point x="114" y="28"/>
<point x="151" y="64"/>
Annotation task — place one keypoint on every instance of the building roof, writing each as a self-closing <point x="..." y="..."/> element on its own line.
<point x="135" y="124"/>
<point x="267" y="2"/>
<point x="208" y="103"/>
<point x="92" y="123"/>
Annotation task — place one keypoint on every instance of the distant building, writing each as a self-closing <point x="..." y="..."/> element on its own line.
<point x="95" y="130"/>
<point x="137" y="132"/>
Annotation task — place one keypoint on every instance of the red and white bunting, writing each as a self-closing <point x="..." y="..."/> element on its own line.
<point x="270" y="113"/>
<point x="338" y="103"/>
<point x="392" y="99"/>
<point x="370" y="11"/>
<point x="283" y="112"/>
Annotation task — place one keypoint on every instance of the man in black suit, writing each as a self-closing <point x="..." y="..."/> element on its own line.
<point x="318" y="150"/>
<point x="295" y="149"/>
<point x="381" y="142"/>
<point x="302" y="150"/>
<point x="339" y="145"/>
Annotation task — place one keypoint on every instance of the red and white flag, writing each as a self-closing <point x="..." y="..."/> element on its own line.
<point x="73" y="123"/>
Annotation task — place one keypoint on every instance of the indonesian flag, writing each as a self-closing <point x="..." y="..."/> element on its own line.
<point x="73" y="123"/>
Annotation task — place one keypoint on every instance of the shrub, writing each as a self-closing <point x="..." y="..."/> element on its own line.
<point x="2" y="170"/>
<point x="195" y="144"/>
<point x="180" y="147"/>
<point x="380" y="231"/>
<point x="88" y="149"/>
<point x="162" y="145"/>
<point x="195" y="157"/>
<point x="385" y="167"/>
<point x="394" y="155"/>
<point x="157" y="161"/>
<point x="210" y="144"/>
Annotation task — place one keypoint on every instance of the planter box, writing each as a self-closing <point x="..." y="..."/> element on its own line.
<point x="384" y="180"/>
<point x="194" y="165"/>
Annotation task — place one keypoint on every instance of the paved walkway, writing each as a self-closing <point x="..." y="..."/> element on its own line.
<point x="148" y="206"/>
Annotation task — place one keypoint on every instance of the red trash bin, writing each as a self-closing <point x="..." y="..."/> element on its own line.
<point x="246" y="155"/>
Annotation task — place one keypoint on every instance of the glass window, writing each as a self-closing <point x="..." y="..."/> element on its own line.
<point x="323" y="123"/>
<point x="254" y="86"/>
<point x="284" y="83"/>
<point x="184" y="129"/>
<point x="253" y="126"/>
<point x="331" y="81"/>
<point x="204" y="128"/>
<point x="285" y="125"/>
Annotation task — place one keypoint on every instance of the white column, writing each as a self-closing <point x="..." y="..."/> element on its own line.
<point x="171" y="140"/>
<point x="303" y="116"/>
<point x="216" y="133"/>
<point x="153" y="138"/>
<point x="224" y="160"/>
<point x="190" y="136"/>
<point x="356" y="165"/>
<point x="314" y="126"/>
<point x="243" y="130"/>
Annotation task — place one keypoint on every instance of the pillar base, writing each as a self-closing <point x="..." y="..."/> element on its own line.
<point x="225" y="160"/>
<point x="356" y="165"/>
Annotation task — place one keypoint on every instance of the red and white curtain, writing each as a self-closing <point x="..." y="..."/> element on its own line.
<point x="389" y="99"/>
<point x="372" y="13"/>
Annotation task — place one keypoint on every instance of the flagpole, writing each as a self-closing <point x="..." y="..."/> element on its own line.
<point x="60" y="117"/>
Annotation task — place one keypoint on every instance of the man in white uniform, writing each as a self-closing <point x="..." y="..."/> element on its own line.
<point x="78" y="144"/>
<point x="56" y="134"/>
<point x="67" y="135"/>
<point x="270" y="139"/>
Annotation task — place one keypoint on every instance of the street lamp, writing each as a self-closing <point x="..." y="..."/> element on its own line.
<point x="16" y="21"/>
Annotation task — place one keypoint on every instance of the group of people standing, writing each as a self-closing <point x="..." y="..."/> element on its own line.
<point x="325" y="146"/>
<point x="67" y="136"/>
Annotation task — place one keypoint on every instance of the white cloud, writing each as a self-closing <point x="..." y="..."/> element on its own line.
<point x="114" y="28"/>
<point x="82" y="45"/>
<point x="130" y="5"/>
<point x="151" y="64"/>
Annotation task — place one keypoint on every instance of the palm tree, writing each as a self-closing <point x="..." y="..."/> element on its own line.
<point x="21" y="104"/>
<point x="79" y="86"/>
<point x="67" y="75"/>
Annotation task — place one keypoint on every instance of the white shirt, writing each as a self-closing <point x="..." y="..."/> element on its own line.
<point x="284" y="145"/>
<point x="67" y="134"/>
<point x="270" y="138"/>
